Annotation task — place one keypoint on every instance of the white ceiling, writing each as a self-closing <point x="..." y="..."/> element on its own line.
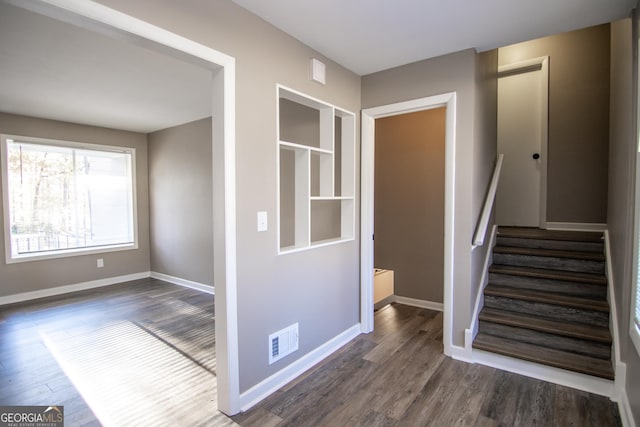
<point x="59" y="71"/>
<point x="51" y="69"/>
<point x="367" y="36"/>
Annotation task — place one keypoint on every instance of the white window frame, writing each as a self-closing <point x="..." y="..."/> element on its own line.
<point x="62" y="253"/>
<point x="634" y="327"/>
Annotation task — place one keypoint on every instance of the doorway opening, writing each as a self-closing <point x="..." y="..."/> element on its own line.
<point x="409" y="207"/>
<point x="369" y="116"/>
<point x="96" y="17"/>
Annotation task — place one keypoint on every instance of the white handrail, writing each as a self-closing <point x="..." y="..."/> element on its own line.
<point x="481" y="229"/>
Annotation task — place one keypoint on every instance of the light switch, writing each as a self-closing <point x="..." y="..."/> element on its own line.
<point x="262" y="221"/>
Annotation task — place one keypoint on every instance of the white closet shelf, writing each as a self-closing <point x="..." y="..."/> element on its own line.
<point x="303" y="147"/>
<point x="331" y="198"/>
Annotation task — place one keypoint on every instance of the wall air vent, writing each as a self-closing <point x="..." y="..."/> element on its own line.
<point x="283" y="342"/>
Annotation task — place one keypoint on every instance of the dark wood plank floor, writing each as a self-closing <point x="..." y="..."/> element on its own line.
<point x="105" y="354"/>
<point x="137" y="353"/>
<point x="398" y="376"/>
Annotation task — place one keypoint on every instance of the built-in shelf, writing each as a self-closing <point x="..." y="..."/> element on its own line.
<point x="316" y="172"/>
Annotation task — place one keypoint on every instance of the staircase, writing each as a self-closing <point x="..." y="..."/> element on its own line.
<point x="546" y="300"/>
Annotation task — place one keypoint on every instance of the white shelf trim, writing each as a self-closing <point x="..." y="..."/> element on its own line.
<point x="304" y="147"/>
<point x="313" y="245"/>
<point x="332" y="198"/>
<point x="308" y="169"/>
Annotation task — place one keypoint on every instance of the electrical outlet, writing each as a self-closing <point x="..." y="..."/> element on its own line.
<point x="100" y="262"/>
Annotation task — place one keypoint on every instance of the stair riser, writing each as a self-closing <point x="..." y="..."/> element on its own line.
<point x="550" y="263"/>
<point x="551" y="311"/>
<point x="582" y="290"/>
<point x="587" y="348"/>
<point x="538" y="273"/>
<point x="548" y="356"/>
<point x="551" y="244"/>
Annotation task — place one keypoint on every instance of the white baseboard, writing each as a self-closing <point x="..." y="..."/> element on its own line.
<point x="550" y="374"/>
<point x="624" y="407"/>
<point x="576" y="226"/>
<point x="430" y="305"/>
<point x="461" y="353"/>
<point x="184" y="282"/>
<point x="619" y="382"/>
<point x="388" y="300"/>
<point x="276" y="381"/>
<point x="59" y="290"/>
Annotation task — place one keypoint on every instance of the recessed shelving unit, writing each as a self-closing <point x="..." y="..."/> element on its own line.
<point x="316" y="172"/>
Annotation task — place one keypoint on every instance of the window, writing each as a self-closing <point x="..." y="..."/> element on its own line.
<point x="66" y="198"/>
<point x="637" y="289"/>
<point x="634" y="327"/>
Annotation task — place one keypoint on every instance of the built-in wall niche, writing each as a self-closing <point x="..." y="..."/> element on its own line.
<point x="316" y="172"/>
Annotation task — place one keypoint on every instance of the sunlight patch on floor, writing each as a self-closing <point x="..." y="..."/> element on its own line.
<point x="129" y="377"/>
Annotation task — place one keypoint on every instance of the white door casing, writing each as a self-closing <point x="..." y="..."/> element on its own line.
<point x="87" y="13"/>
<point x="369" y="115"/>
<point x="522" y="138"/>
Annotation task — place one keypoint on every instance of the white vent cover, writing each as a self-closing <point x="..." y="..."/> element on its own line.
<point x="318" y="71"/>
<point x="283" y="342"/>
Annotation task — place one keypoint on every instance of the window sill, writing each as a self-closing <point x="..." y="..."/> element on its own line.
<point x="70" y="253"/>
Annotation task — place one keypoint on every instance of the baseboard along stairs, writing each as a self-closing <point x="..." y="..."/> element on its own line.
<point x="546" y="300"/>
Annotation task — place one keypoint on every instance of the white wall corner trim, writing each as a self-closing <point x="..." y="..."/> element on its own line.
<point x="210" y="289"/>
<point x="620" y="369"/>
<point x="59" y="290"/>
<point x="429" y="305"/>
<point x="550" y="374"/>
<point x="613" y="319"/>
<point x="624" y="407"/>
<point x="576" y="226"/>
<point x="255" y="394"/>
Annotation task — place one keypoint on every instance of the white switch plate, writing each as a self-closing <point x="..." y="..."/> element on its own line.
<point x="262" y="221"/>
<point x="100" y="262"/>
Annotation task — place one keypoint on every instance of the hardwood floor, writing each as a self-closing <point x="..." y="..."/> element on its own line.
<point x="398" y="376"/>
<point x="137" y="353"/>
<point x="142" y="353"/>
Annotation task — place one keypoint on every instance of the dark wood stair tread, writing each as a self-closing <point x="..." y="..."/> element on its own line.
<point x="550" y="253"/>
<point x="541" y="273"/>
<point x="566" y="329"/>
<point x="547" y="298"/>
<point x="544" y="355"/>
<point x="536" y="233"/>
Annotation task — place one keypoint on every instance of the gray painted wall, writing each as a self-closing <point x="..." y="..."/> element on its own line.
<point x="39" y="275"/>
<point x="318" y="288"/>
<point x="578" y="120"/>
<point x="409" y="202"/>
<point x="622" y="155"/>
<point x="458" y="72"/>
<point x="180" y="198"/>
